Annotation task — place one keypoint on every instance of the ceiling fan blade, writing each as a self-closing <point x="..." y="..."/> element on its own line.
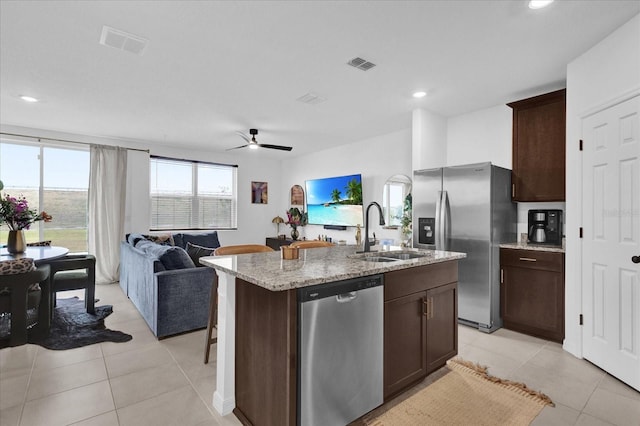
<point x="243" y="136"/>
<point x="237" y="147"/>
<point x="280" y="147"/>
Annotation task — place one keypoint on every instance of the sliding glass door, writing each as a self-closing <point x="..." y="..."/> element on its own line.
<point x="51" y="178"/>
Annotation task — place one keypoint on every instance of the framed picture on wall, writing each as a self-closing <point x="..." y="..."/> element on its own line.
<point x="259" y="192"/>
<point x="297" y="195"/>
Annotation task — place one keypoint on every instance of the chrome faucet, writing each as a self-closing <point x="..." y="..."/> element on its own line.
<point x="367" y="243"/>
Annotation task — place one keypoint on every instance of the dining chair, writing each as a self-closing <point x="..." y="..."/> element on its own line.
<point x="213" y="300"/>
<point x="25" y="296"/>
<point x="311" y="244"/>
<point x="74" y="272"/>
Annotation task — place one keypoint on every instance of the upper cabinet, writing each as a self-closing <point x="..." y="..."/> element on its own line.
<point x="539" y="148"/>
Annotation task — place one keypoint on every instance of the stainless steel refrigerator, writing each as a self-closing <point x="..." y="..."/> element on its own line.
<point x="468" y="209"/>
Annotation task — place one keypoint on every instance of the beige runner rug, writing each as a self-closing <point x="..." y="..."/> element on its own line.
<point x="467" y="395"/>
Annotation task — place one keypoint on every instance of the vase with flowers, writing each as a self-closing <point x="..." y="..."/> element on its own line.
<point x="296" y="218"/>
<point x="15" y="212"/>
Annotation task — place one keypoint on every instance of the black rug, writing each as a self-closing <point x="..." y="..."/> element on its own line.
<point x="72" y="327"/>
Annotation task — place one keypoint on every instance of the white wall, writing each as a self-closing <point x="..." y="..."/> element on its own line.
<point x="606" y="72"/>
<point x="376" y="159"/>
<point x="429" y="140"/>
<point x="254" y="220"/>
<point x="480" y="136"/>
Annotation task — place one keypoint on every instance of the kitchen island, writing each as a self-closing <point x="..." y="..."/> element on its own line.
<point x="257" y="349"/>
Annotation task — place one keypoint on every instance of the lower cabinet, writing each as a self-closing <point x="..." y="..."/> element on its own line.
<point x="420" y="323"/>
<point x="532" y="292"/>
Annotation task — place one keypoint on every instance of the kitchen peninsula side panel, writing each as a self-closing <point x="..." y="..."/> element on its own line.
<point x="266" y="355"/>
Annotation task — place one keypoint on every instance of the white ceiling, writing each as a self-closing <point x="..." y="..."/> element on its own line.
<point x="212" y="68"/>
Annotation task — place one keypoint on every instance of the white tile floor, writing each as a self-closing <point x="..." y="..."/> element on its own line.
<point x="151" y="382"/>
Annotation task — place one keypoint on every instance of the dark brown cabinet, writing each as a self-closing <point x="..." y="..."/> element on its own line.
<point x="539" y="125"/>
<point x="420" y="323"/>
<point x="532" y="292"/>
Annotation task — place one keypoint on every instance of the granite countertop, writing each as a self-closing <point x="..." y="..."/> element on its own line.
<point x="316" y="265"/>
<point x="526" y="246"/>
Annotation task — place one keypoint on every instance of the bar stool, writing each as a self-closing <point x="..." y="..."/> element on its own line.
<point x="311" y="244"/>
<point x="213" y="300"/>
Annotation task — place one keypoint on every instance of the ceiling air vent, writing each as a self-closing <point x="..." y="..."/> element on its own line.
<point x="123" y="41"/>
<point x="361" y="64"/>
<point x="311" y="99"/>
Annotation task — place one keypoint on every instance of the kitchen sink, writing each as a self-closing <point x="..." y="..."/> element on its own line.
<point x="389" y="256"/>
<point x="376" y="258"/>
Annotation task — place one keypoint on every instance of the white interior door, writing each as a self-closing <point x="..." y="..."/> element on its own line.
<point x="611" y="219"/>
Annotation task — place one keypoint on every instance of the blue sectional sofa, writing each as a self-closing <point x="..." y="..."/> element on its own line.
<point x="159" y="276"/>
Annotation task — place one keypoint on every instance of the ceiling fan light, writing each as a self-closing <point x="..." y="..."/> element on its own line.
<point x="28" y="98"/>
<point x="253" y="146"/>
<point x="539" y="4"/>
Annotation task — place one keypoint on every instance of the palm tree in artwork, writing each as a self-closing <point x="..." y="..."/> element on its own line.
<point x="354" y="191"/>
<point x="335" y="195"/>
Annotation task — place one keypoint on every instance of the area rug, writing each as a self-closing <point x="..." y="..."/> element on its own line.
<point x="72" y="327"/>
<point x="467" y="395"/>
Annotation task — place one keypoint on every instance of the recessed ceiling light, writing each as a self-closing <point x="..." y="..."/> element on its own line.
<point x="539" y="4"/>
<point x="419" y="94"/>
<point x="28" y="99"/>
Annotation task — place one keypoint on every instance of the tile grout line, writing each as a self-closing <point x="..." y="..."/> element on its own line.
<point x="26" y="391"/>
<point x="193" y="386"/>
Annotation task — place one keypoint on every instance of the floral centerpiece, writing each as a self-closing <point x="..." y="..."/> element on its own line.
<point x="296" y="218"/>
<point x="15" y="212"/>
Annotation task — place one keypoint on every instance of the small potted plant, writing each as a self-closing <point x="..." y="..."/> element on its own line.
<point x="15" y="212"/>
<point x="296" y="218"/>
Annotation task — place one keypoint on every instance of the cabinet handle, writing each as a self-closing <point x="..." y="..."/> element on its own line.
<point x="501" y="276"/>
<point x="528" y="259"/>
<point x="425" y="305"/>
<point x="513" y="190"/>
<point x="431" y="313"/>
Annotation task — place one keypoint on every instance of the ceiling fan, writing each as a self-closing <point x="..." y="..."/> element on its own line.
<point x="253" y="143"/>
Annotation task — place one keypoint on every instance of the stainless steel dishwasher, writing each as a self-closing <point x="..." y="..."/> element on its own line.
<point x="340" y="337"/>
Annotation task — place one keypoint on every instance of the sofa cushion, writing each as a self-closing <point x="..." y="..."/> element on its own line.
<point x="171" y="257"/>
<point x="195" y="252"/>
<point x="176" y="258"/>
<point x="208" y="239"/>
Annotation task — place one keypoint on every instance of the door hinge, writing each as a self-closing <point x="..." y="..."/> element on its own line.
<point x="581" y="232"/>
<point x="581" y="322"/>
<point x="580" y="144"/>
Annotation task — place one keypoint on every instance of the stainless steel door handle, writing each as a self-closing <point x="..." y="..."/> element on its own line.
<point x="438" y="224"/>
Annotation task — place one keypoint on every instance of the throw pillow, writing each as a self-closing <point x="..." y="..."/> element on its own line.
<point x="176" y="258"/>
<point x="17" y="266"/>
<point x="164" y="239"/>
<point x="195" y="252"/>
<point x="209" y="239"/>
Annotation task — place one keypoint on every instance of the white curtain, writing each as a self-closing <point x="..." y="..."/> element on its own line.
<point x="107" y="189"/>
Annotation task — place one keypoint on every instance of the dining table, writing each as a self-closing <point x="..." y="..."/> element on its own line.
<point x="39" y="254"/>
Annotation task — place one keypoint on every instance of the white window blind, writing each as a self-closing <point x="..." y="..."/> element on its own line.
<point x="192" y="195"/>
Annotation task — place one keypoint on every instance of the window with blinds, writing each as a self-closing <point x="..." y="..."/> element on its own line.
<point x="192" y="195"/>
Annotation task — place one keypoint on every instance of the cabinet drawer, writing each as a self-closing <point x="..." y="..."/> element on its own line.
<point x="421" y="278"/>
<point x="532" y="259"/>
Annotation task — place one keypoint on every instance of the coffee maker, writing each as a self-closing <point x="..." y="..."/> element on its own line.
<point x="545" y="227"/>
